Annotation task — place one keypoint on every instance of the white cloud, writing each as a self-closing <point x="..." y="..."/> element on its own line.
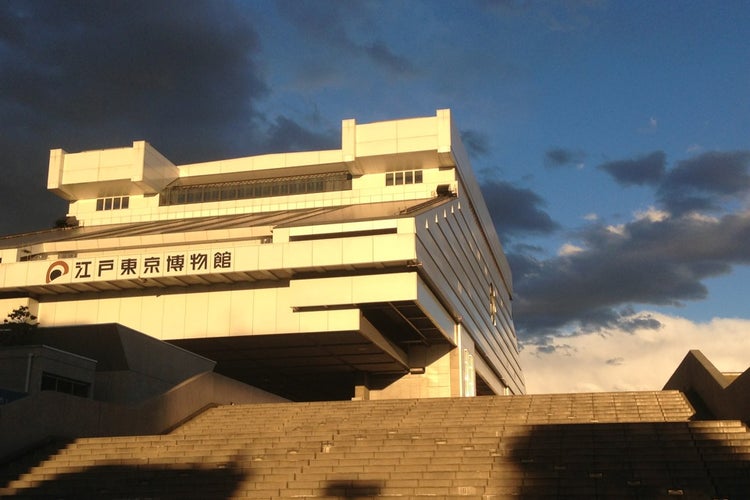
<point x="651" y="214"/>
<point x="591" y="217"/>
<point x="698" y="217"/>
<point x="569" y="249"/>
<point x="617" y="360"/>
<point x="618" y="229"/>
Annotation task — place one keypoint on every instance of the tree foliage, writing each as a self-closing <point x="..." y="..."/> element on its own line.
<point x="17" y="328"/>
<point x="21" y="315"/>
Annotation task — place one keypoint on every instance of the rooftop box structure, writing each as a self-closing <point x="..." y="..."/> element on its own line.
<point x="370" y="271"/>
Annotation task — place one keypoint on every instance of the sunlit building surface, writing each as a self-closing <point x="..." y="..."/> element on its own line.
<point x="372" y="271"/>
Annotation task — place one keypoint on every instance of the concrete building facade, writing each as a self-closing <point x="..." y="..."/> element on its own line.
<point x="371" y="271"/>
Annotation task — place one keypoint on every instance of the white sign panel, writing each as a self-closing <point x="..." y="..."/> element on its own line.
<point x="141" y="266"/>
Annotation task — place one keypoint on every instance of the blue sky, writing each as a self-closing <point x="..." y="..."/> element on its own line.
<point x="610" y="137"/>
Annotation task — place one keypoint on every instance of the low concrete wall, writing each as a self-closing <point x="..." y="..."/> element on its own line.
<point x="22" y="367"/>
<point x="37" y="417"/>
<point x="131" y="366"/>
<point x="725" y="397"/>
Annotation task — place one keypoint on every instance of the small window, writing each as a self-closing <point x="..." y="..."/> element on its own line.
<point x="57" y="383"/>
<point x="403" y="177"/>
<point x="112" y="203"/>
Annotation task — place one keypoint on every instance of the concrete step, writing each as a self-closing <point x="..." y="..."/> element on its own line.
<point x="536" y="446"/>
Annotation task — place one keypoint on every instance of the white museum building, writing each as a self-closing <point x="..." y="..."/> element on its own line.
<point x="372" y="271"/>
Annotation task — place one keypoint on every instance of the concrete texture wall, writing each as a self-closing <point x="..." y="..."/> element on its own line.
<point x="131" y="366"/>
<point x="437" y="381"/>
<point x="35" y="418"/>
<point x="725" y="397"/>
<point x="24" y="365"/>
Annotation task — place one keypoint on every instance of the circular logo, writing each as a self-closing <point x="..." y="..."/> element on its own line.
<point x="57" y="269"/>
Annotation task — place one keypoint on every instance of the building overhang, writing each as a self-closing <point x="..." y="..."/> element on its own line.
<point x="387" y="310"/>
<point x="139" y="169"/>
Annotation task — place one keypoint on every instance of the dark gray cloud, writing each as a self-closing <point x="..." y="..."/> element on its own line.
<point x="635" y="322"/>
<point x="182" y="77"/>
<point x="644" y="170"/>
<point x="644" y="262"/>
<point x="287" y="135"/>
<point x="546" y="349"/>
<point x="647" y="261"/>
<point x="560" y="157"/>
<point x="516" y="211"/>
<point x="90" y="75"/>
<point x="706" y="181"/>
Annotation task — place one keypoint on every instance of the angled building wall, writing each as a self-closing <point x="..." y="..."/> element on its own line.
<point x="718" y="394"/>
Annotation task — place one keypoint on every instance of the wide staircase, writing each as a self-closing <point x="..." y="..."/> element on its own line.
<point x="601" y="445"/>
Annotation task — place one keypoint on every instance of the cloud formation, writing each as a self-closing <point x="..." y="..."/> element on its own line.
<point x="644" y="359"/>
<point x="660" y="257"/>
<point x="644" y="170"/>
<point x="516" y="211"/>
<point x="706" y="181"/>
<point x="650" y="260"/>
<point x="171" y="76"/>
<point x="284" y="135"/>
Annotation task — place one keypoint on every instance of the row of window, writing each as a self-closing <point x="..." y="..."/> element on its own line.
<point x="261" y="188"/>
<point x="403" y="177"/>
<point x="113" y="203"/>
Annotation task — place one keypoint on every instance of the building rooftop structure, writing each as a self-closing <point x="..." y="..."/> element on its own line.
<point x="370" y="271"/>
